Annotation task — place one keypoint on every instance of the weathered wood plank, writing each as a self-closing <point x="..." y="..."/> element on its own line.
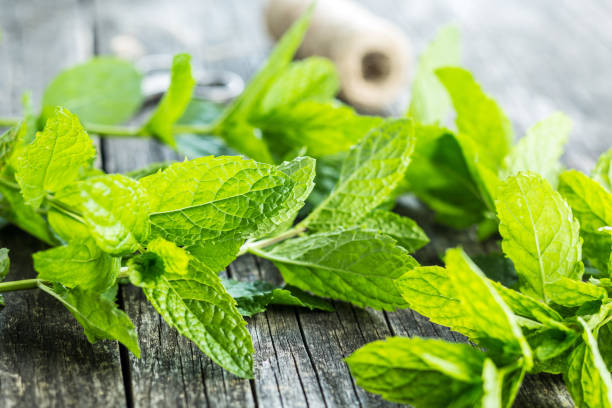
<point x="45" y="359"/>
<point x="284" y="372"/>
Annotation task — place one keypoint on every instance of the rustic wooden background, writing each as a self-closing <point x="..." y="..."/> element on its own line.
<point x="534" y="57"/>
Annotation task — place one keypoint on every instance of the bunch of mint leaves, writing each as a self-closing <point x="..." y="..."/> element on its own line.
<point x="170" y="228"/>
<point x="553" y="321"/>
<point x="551" y="314"/>
<point x="170" y="232"/>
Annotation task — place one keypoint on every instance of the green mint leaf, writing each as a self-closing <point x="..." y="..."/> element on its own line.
<point x="484" y="175"/>
<point x="500" y="385"/>
<point x="497" y="268"/>
<point x="302" y="171"/>
<point x="29" y="124"/>
<point x="526" y="306"/>
<point x="420" y="372"/>
<point x="174" y="102"/>
<point x="216" y="254"/>
<point x="78" y="264"/>
<point x="603" y="171"/>
<point x="55" y="158"/>
<point x="592" y="205"/>
<point x="587" y="377"/>
<point x="479" y="118"/>
<point x="369" y="174"/>
<point x="322" y="127"/>
<point x="573" y="293"/>
<point x="277" y="62"/>
<point x="8" y="141"/>
<point x="65" y="225"/>
<point x="254" y="297"/>
<point x="191" y="298"/>
<point x="104" y="90"/>
<point x="604" y="342"/>
<point x="430" y="103"/>
<point x="148" y="170"/>
<point x="115" y="210"/>
<point x="99" y="316"/>
<point x="541" y="148"/>
<point x="5" y="266"/>
<point x="248" y="140"/>
<point x="312" y="78"/>
<point x="440" y="176"/>
<point x="356" y="266"/>
<point x="539" y="233"/>
<point x="457" y="296"/>
<point x="24" y="216"/>
<point x="293" y="296"/>
<point x="405" y="231"/>
<point x="221" y="198"/>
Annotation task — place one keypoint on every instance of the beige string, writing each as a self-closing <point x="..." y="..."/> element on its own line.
<point x="371" y="54"/>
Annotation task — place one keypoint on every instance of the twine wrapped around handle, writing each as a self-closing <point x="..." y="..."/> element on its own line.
<point x="371" y="54"/>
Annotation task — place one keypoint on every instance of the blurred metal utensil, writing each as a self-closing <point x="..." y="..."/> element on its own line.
<point x="219" y="86"/>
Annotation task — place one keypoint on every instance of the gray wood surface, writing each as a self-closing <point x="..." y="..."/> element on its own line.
<point x="534" y="57"/>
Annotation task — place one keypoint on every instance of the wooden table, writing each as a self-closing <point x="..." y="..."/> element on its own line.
<point x="534" y="57"/>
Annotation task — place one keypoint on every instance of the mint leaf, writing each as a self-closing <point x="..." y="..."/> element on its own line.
<point x="221" y="198"/>
<point x="430" y="103"/>
<point x="526" y="306"/>
<point x="587" y="377"/>
<point x="148" y="170"/>
<point x="246" y="139"/>
<point x="67" y="225"/>
<point x="369" y="174"/>
<point x="353" y="265"/>
<point x="457" y="297"/>
<point x="115" y="210"/>
<point x="99" y="316"/>
<point x="497" y="268"/>
<point x="539" y="233"/>
<point x="55" y="158"/>
<point x="8" y="140"/>
<point x="404" y="230"/>
<point x="312" y="78"/>
<point x="440" y="176"/>
<point x="78" y="264"/>
<point x="573" y="293"/>
<point x="191" y="298"/>
<point x="479" y="118"/>
<point x="302" y="171"/>
<point x="420" y="372"/>
<point x="5" y="266"/>
<point x="174" y="102"/>
<point x="602" y="171"/>
<point x="24" y="216"/>
<point x="254" y="297"/>
<point x="541" y="148"/>
<point x="592" y="205"/>
<point x="500" y="385"/>
<point x="216" y="254"/>
<point x="103" y="90"/>
<point x="322" y="127"/>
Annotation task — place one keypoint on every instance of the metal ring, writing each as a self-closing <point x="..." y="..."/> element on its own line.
<point x="218" y="86"/>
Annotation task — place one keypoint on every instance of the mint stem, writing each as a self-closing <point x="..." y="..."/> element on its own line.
<point x="125" y="131"/>
<point x="249" y="246"/>
<point x="19" y="285"/>
<point x="9" y="121"/>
